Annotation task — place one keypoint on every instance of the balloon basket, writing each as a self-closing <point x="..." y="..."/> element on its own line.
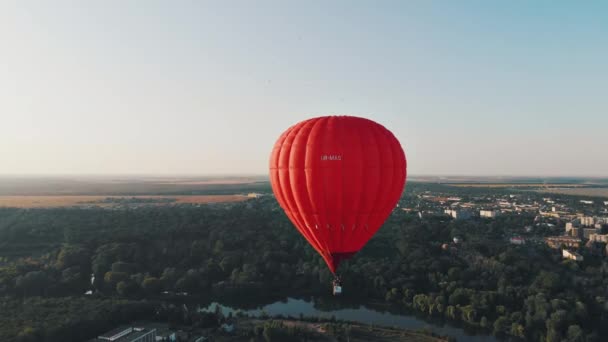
<point x="337" y="290"/>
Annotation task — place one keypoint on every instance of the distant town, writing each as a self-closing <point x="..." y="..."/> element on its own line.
<point x="581" y="223"/>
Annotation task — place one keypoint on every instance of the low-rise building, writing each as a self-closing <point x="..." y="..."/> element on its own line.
<point x="588" y="231"/>
<point x="571" y="255"/>
<point x="458" y="214"/>
<point x="128" y="334"/>
<point x="489" y="213"/>
<point x="599" y="238"/>
<point x="517" y="240"/>
<point x="587" y="221"/>
<point x="563" y="241"/>
<point x="229" y="327"/>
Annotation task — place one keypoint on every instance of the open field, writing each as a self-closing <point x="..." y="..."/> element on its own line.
<point x="508" y="179"/>
<point x="104" y="201"/>
<point x="515" y="185"/>
<point x="358" y="332"/>
<point x="127" y="186"/>
<point x="592" y="192"/>
<point x="242" y="180"/>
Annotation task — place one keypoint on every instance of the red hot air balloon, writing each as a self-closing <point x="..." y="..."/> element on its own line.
<point x="337" y="178"/>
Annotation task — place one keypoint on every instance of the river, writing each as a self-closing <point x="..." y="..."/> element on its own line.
<point x="356" y="313"/>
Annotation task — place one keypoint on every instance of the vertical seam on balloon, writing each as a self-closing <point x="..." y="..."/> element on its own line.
<point x="356" y="207"/>
<point x="286" y="201"/>
<point x="276" y="155"/>
<point x="341" y="230"/>
<point x="293" y="203"/>
<point x="357" y="211"/>
<point x="325" y="234"/>
<point x="329" y="243"/>
<point x="275" y="167"/>
<point x="347" y="233"/>
<point x="285" y="196"/>
<point x="302" y="221"/>
<point x="307" y="192"/>
<point x="377" y="191"/>
<point x="390" y="192"/>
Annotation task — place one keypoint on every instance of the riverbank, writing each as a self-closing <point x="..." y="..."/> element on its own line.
<point x="324" y="311"/>
<point x="345" y="331"/>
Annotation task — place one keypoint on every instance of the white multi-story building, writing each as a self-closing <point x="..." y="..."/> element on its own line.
<point x="587" y="221"/>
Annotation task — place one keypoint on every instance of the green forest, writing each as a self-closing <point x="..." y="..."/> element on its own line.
<point x="47" y="257"/>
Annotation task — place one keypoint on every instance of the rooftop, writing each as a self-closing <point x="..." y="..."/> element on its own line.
<point x="115" y="332"/>
<point x="128" y="334"/>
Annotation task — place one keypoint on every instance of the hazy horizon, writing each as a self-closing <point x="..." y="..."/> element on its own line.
<point x="134" y="176"/>
<point x="205" y="88"/>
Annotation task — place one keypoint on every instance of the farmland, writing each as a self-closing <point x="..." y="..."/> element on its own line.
<point x="131" y="186"/>
<point x="592" y="192"/>
<point x="515" y="185"/>
<point x="107" y="201"/>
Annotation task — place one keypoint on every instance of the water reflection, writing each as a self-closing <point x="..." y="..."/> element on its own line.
<point x="328" y="308"/>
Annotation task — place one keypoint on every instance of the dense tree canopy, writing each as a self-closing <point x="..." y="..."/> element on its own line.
<point x="483" y="282"/>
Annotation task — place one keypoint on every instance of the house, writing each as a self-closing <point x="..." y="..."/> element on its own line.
<point x="598" y="238"/>
<point x="489" y="213"/>
<point x="228" y="327"/>
<point x="517" y="240"/>
<point x="571" y="255"/>
<point x="458" y="214"/>
<point x="567" y="241"/>
<point x="128" y="334"/>
<point x="588" y="231"/>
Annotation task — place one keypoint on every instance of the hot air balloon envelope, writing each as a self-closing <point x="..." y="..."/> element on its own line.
<point x="337" y="178"/>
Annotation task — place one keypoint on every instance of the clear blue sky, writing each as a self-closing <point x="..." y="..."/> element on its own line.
<point x="206" y="87"/>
